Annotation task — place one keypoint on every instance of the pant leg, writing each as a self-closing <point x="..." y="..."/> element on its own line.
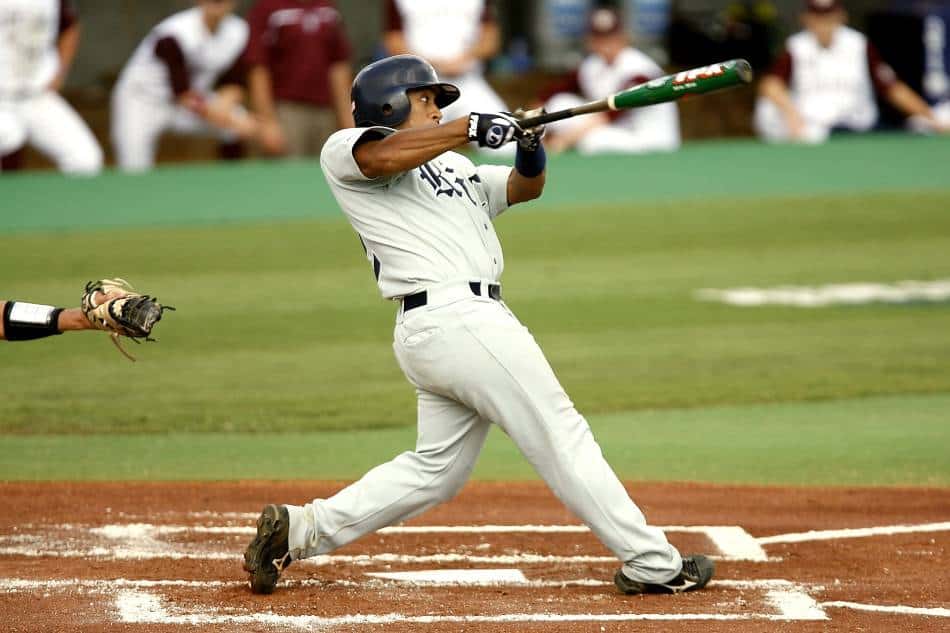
<point x="12" y="130"/>
<point x="450" y="437"/>
<point x="485" y="359"/>
<point x="652" y="129"/>
<point x="769" y="124"/>
<point x="55" y="129"/>
<point x="295" y="127"/>
<point x="136" y="125"/>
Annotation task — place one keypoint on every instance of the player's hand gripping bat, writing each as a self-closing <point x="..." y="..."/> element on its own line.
<point x="734" y="72"/>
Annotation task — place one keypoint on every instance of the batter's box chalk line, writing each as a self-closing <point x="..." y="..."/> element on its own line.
<point x="133" y="606"/>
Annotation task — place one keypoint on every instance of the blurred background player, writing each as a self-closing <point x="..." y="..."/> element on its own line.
<point x="457" y="38"/>
<point x="299" y="74"/>
<point x="825" y="80"/>
<point x="38" y="42"/>
<point x="612" y="65"/>
<point x="170" y="84"/>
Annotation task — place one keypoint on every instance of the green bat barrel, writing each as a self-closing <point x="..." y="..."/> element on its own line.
<point x="734" y="72"/>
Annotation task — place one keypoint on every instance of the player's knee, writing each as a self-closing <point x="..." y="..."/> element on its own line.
<point x="86" y="162"/>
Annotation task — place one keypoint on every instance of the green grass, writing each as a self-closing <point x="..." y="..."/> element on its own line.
<point x="872" y="441"/>
<point x="280" y="328"/>
<point x="278" y="362"/>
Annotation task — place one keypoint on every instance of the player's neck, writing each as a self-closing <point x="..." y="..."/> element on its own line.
<point x="211" y="23"/>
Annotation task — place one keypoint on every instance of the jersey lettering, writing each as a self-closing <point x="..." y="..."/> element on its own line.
<point x="445" y="182"/>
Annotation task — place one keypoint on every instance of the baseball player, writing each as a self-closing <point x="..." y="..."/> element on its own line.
<point x="300" y="74"/>
<point x="613" y="65"/>
<point x="825" y="80"/>
<point x="38" y="41"/>
<point x="457" y="38"/>
<point x="424" y="215"/>
<point x="171" y="84"/>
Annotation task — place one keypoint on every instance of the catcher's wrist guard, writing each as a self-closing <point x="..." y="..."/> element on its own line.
<point x="24" y="321"/>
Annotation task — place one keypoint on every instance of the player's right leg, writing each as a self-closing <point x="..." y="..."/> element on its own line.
<point x="55" y="129"/>
<point x="12" y="136"/>
<point x="136" y="125"/>
<point x="450" y="437"/>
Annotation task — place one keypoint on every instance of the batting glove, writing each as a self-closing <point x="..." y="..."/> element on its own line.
<point x="492" y="130"/>
<point x="530" y="139"/>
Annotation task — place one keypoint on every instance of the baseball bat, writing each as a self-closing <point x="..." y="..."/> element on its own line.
<point x="734" y="72"/>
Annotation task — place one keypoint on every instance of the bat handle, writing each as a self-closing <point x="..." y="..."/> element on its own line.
<point x="550" y="117"/>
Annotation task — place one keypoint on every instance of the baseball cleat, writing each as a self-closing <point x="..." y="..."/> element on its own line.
<point x="696" y="572"/>
<point x="267" y="555"/>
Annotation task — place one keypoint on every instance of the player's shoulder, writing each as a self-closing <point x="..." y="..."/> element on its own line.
<point x="851" y="37"/>
<point x="639" y="62"/>
<point x="342" y="142"/>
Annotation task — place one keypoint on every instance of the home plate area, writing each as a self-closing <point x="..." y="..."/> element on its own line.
<point x="179" y="570"/>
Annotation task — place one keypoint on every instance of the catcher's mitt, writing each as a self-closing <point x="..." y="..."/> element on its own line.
<point x="114" y="305"/>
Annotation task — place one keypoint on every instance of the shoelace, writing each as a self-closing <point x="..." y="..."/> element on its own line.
<point x="690" y="568"/>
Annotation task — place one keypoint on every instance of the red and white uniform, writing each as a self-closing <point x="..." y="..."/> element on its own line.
<point x="439" y="30"/>
<point x="30" y="112"/>
<point x="298" y="41"/>
<point x="831" y="87"/>
<point x="179" y="54"/>
<point x="651" y="129"/>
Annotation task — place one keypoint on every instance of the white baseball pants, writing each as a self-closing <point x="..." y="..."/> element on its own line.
<point x="473" y="363"/>
<point x="48" y="123"/>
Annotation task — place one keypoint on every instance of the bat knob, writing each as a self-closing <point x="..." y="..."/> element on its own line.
<point x="744" y="70"/>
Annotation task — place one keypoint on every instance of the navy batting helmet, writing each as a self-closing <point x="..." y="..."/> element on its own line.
<point x="379" y="90"/>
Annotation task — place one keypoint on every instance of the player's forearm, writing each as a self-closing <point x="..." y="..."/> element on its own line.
<point x="67" y="46"/>
<point x="774" y="89"/>
<point x="341" y="79"/>
<point x="407" y="149"/>
<point x="67" y="319"/>
<point x="909" y="102"/>
<point x="261" y="92"/>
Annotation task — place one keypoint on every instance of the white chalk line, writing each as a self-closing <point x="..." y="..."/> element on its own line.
<point x="831" y="294"/>
<point x="822" y="535"/>
<point x="732" y="541"/>
<point x="938" y="612"/>
<point x="138" y="607"/>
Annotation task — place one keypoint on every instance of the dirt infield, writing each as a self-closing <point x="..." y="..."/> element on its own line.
<point x="500" y="557"/>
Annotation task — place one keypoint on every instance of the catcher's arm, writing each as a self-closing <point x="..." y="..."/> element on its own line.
<point x="31" y="321"/>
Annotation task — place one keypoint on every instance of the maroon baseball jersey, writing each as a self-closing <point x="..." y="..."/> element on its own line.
<point x="298" y="41"/>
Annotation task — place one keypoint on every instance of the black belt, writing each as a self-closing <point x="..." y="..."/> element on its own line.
<point x="419" y="299"/>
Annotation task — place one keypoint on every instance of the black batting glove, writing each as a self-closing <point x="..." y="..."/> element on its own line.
<point x="493" y="129"/>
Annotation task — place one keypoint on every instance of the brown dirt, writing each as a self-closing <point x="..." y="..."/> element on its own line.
<point x="905" y="569"/>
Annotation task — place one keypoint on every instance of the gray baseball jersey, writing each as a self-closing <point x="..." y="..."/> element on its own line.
<point x="426" y="226"/>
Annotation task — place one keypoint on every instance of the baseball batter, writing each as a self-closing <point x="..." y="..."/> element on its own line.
<point x="38" y="40"/>
<point x="424" y="215"/>
<point x="171" y="83"/>
<point x="825" y="80"/>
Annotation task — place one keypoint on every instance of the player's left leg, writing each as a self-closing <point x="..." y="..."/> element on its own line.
<point x="450" y="437"/>
<point x="55" y="129"/>
<point x="12" y="137"/>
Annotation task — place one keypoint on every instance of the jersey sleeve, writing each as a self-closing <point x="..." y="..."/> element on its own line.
<point x="392" y="18"/>
<point x="68" y="15"/>
<point x="494" y="182"/>
<point x="168" y="50"/>
<point x="782" y="68"/>
<point x="258" y="51"/>
<point x="338" y="161"/>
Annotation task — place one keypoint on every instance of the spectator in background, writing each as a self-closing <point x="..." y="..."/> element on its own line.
<point x="611" y="66"/>
<point x="825" y="80"/>
<point x="38" y="42"/>
<point x="186" y="76"/>
<point x="457" y="37"/>
<point x="300" y="74"/>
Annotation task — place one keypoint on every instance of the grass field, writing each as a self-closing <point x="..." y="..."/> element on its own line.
<point x="280" y="344"/>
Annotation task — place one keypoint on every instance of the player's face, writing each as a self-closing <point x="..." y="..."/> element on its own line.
<point x="823" y="25"/>
<point x="424" y="112"/>
<point x="607" y="46"/>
